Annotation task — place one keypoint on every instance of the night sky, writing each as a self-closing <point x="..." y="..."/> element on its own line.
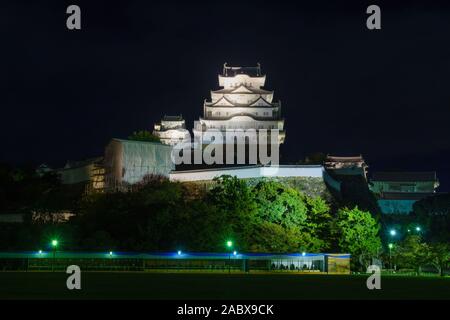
<point x="344" y="89"/>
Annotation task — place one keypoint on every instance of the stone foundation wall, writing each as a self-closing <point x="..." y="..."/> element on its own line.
<point x="311" y="186"/>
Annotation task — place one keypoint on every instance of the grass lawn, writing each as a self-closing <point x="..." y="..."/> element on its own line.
<point x="123" y="285"/>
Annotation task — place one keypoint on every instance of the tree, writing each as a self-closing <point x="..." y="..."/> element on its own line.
<point x="413" y="253"/>
<point x="100" y="240"/>
<point x="440" y="256"/>
<point x="300" y="222"/>
<point x="279" y="204"/>
<point x="140" y="220"/>
<point x="433" y="214"/>
<point x="234" y="200"/>
<point x="356" y="232"/>
<point x="355" y="192"/>
<point x="144" y="135"/>
<point x="318" y="221"/>
<point x="272" y="237"/>
<point x="201" y="226"/>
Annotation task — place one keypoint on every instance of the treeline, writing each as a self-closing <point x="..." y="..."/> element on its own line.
<point x="268" y="216"/>
<point x="163" y="216"/>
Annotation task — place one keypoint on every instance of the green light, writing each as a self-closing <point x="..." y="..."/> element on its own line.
<point x="229" y="243"/>
<point x="55" y="243"/>
<point x="40" y="251"/>
<point x="390" y="245"/>
<point x="110" y="253"/>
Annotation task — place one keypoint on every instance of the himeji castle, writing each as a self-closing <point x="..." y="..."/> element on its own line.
<point x="241" y="103"/>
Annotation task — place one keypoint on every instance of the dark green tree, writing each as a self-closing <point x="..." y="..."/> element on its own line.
<point x="234" y="201"/>
<point x="356" y="232"/>
<point x="412" y="253"/>
<point x="279" y="204"/>
<point x="433" y="214"/>
<point x="440" y="256"/>
<point x="144" y="135"/>
<point x="299" y="222"/>
<point x="319" y="221"/>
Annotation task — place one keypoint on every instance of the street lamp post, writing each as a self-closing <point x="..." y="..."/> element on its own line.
<point x="392" y="233"/>
<point x="230" y="247"/>
<point x="390" y="255"/>
<point x="54" y="246"/>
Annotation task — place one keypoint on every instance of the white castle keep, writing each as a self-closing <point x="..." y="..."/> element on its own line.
<point x="241" y="103"/>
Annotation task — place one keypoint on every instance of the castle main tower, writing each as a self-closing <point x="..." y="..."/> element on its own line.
<point x="241" y="103"/>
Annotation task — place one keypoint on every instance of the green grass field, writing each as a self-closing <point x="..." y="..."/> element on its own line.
<point x="122" y="285"/>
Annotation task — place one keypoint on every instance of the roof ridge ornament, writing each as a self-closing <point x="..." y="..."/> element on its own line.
<point x="241" y="68"/>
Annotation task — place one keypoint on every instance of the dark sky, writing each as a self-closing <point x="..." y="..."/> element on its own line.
<point x="344" y="89"/>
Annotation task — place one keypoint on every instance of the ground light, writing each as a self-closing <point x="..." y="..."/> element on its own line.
<point x="418" y="229"/>
<point x="303" y="254"/>
<point x="40" y="251"/>
<point x="234" y="253"/>
<point x="179" y="252"/>
<point x="110" y="253"/>
<point x="392" y="232"/>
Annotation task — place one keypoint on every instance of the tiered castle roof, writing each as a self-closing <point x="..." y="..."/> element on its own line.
<point x="242" y="102"/>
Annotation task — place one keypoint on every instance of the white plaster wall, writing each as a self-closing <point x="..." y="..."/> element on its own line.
<point x="231" y="82"/>
<point x="228" y="112"/>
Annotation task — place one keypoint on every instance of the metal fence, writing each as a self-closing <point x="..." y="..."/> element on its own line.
<point x="177" y="261"/>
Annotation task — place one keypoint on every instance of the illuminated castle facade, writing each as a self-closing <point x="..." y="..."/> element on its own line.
<point x="241" y="103"/>
<point x="171" y="130"/>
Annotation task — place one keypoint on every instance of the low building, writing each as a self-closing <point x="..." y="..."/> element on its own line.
<point x="128" y="162"/>
<point x="397" y="192"/>
<point x="181" y="261"/>
<point x="354" y="165"/>
<point x="90" y="172"/>
<point x="171" y="130"/>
